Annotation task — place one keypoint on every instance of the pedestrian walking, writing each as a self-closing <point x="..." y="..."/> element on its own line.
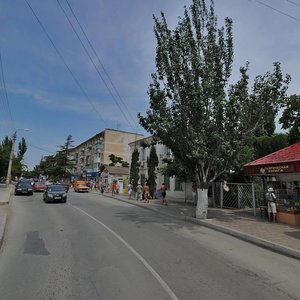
<point x="146" y="192"/>
<point x="139" y="192"/>
<point x="163" y="190"/>
<point x="130" y="189"/>
<point x="113" y="188"/>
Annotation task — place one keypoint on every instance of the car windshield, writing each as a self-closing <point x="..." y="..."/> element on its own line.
<point x="39" y="184"/>
<point x="56" y="188"/>
<point x="24" y="184"/>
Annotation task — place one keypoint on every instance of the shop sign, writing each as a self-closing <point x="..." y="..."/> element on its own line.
<point x="91" y="174"/>
<point x="279" y="169"/>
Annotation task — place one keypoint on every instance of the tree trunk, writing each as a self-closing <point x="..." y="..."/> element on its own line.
<point x="202" y="204"/>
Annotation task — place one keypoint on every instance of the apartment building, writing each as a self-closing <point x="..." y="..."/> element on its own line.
<point x="94" y="152"/>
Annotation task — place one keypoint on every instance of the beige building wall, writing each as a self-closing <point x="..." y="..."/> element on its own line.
<point x="95" y="151"/>
<point x="116" y="142"/>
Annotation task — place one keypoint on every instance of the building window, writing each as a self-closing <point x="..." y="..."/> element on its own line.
<point x="88" y="161"/>
<point x="167" y="181"/>
<point x="143" y="154"/>
<point x="143" y="179"/>
<point x="178" y="185"/>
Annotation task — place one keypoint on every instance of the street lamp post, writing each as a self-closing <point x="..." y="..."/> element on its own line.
<point x="14" y="137"/>
<point x="8" y="177"/>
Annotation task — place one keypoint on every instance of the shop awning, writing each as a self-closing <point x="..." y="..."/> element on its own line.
<point x="286" y="160"/>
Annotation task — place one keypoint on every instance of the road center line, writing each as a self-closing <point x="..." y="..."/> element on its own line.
<point x="138" y="256"/>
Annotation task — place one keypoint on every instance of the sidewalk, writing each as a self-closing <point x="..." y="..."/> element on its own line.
<point x="4" y="200"/>
<point x="278" y="237"/>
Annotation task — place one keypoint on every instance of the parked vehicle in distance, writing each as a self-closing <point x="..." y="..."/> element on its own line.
<point x="23" y="188"/>
<point x="39" y="186"/>
<point x="55" y="192"/>
<point x="81" y="186"/>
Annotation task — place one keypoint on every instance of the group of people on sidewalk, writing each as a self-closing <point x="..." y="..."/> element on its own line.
<point x="143" y="192"/>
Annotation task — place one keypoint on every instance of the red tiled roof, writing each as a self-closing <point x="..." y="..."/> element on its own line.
<point x="288" y="157"/>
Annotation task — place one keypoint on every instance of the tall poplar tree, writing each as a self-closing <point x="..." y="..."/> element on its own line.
<point x="152" y="163"/>
<point x="290" y="118"/>
<point x="134" y="168"/>
<point x="205" y="122"/>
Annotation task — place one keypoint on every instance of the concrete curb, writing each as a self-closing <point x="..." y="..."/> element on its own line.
<point x="250" y="238"/>
<point x="240" y="235"/>
<point x="2" y="228"/>
<point x="5" y="196"/>
<point x="4" y="201"/>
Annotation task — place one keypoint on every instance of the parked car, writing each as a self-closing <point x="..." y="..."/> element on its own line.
<point x="39" y="186"/>
<point x="55" y="193"/>
<point x="23" y="188"/>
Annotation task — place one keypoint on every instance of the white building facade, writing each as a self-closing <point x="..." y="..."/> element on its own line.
<point x="176" y="189"/>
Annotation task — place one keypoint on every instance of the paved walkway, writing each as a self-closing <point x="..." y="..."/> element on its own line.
<point x="242" y="224"/>
<point x="4" y="200"/>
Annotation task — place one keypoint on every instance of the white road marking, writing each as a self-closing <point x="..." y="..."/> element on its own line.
<point x="138" y="256"/>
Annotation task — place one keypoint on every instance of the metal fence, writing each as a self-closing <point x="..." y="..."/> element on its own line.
<point x="237" y="195"/>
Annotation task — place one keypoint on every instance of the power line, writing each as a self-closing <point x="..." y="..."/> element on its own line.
<point x="292" y="2"/>
<point x="277" y="10"/>
<point x="63" y="60"/>
<point x="39" y="148"/>
<point x="82" y="44"/>
<point x="100" y="62"/>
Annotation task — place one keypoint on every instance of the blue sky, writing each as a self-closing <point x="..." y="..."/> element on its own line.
<point x="44" y="97"/>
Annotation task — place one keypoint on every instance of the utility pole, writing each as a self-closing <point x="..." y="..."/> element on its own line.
<point x="8" y="177"/>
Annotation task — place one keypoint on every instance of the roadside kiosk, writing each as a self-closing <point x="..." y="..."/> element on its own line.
<point x="281" y="170"/>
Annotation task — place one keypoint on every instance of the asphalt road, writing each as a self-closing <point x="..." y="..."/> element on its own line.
<point x="95" y="247"/>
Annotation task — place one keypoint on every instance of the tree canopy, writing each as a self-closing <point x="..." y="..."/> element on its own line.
<point x="18" y="166"/>
<point x="290" y="118"/>
<point x="57" y="166"/>
<point x="207" y="123"/>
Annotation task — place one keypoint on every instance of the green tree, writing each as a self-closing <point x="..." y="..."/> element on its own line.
<point x="207" y="130"/>
<point x="18" y="167"/>
<point x="152" y="163"/>
<point x="264" y="145"/>
<point x="59" y="165"/>
<point x="134" y="168"/>
<point x="5" y="148"/>
<point x="115" y="160"/>
<point x="22" y="148"/>
<point x="269" y="94"/>
<point x="290" y="118"/>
